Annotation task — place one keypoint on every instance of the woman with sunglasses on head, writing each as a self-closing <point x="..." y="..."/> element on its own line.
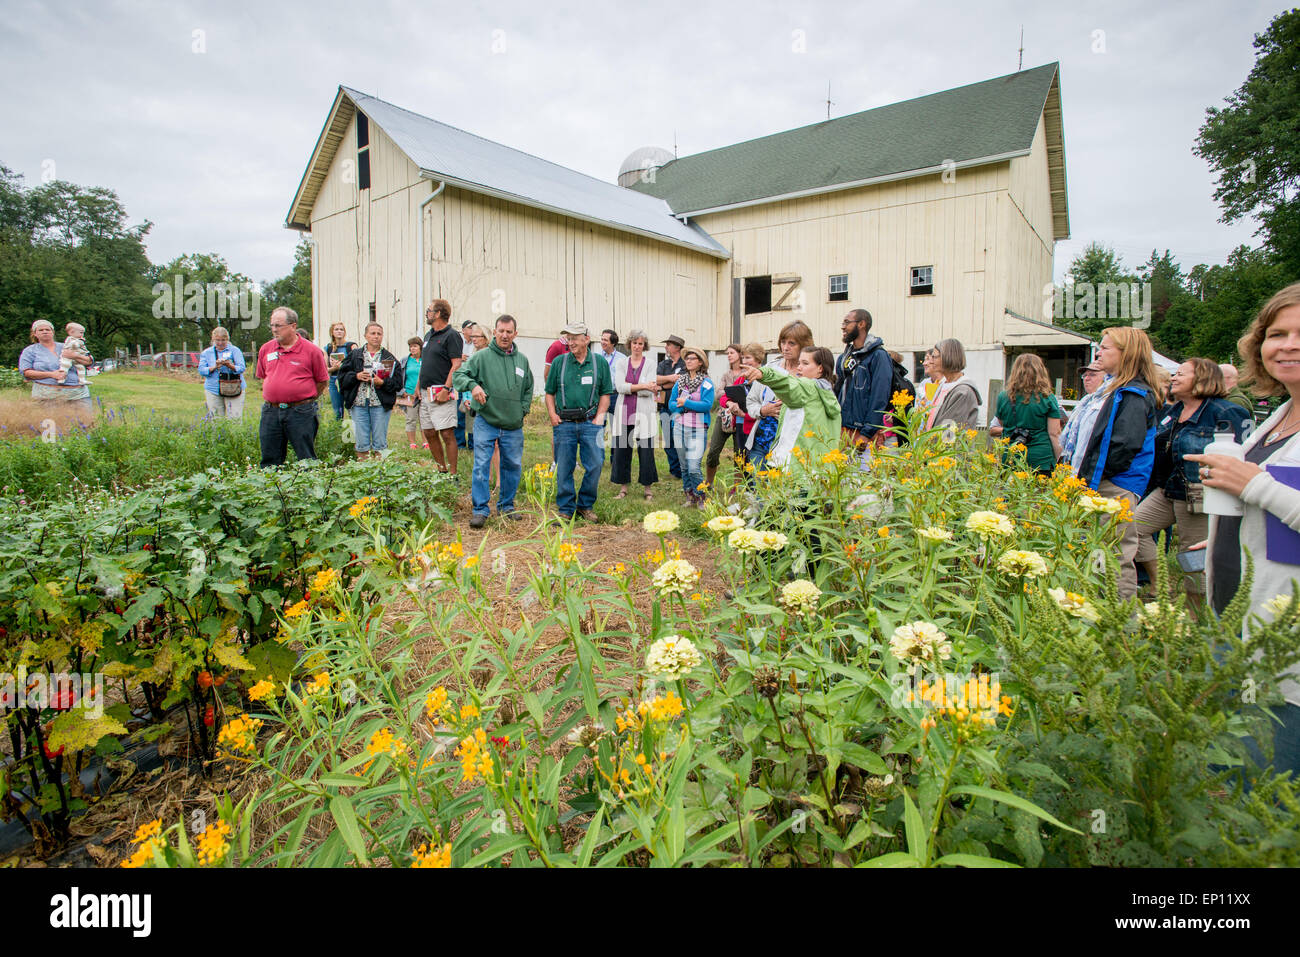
<point x="1119" y="446"/>
<point x="1197" y="410"/>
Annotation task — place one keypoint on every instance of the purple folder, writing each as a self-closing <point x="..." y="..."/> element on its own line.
<point x="1283" y="542"/>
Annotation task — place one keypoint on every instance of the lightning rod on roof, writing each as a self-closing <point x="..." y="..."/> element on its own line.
<point x="1021" y="64"/>
<point x="828" y="99"/>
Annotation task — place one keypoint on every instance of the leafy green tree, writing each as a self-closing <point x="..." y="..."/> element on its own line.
<point x="195" y="293"/>
<point x="1166" y="279"/>
<point x="294" y="291"/>
<point x="67" y="253"/>
<point x="1253" y="143"/>
<point x="1091" y="271"/>
<point x="1209" y="318"/>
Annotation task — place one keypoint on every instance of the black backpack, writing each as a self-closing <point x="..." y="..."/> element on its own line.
<point x="898" y="382"/>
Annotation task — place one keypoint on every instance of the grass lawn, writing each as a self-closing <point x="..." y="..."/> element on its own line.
<point x="180" y="394"/>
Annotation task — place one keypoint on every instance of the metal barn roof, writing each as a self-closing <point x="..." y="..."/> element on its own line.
<point x="980" y="123"/>
<point x="473" y="163"/>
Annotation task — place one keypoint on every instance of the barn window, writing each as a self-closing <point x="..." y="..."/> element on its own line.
<point x="922" y="280"/>
<point x="839" y="289"/>
<point x="758" y="294"/>
<point x="372" y="313"/>
<point x="363" y="151"/>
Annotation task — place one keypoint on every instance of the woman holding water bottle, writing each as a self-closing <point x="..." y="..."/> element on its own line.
<point x="222" y="367"/>
<point x="1263" y="477"/>
<point x="369" y="387"/>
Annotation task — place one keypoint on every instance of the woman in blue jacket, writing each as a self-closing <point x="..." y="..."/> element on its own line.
<point x="689" y="405"/>
<point x="222" y="367"/>
<point x="1185" y="427"/>
<point x="1121" y="444"/>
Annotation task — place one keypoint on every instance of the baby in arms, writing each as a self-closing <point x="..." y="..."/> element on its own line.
<point x="74" y="342"/>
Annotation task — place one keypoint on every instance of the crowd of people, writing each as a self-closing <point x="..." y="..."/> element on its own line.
<point x="1138" y="435"/>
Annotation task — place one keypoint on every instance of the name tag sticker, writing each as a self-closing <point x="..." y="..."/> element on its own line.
<point x="519" y="372"/>
<point x="586" y="380"/>
<point x="272" y="355"/>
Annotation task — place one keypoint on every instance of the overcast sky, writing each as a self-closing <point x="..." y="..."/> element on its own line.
<point x="210" y="145"/>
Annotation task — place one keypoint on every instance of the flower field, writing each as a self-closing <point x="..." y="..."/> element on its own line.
<point x="921" y="665"/>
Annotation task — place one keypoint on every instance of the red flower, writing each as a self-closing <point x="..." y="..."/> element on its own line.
<point x="63" y="699"/>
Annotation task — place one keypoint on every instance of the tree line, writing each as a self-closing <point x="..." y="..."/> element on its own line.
<point x="1252" y="145"/>
<point x="68" y="252"/>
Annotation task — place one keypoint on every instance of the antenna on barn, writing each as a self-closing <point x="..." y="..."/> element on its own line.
<point x="828" y="99"/>
<point x="1021" y="65"/>
<point x="674" y="144"/>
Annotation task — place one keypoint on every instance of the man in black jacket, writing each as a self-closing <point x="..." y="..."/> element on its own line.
<point x="665" y="376"/>
<point x="864" y="377"/>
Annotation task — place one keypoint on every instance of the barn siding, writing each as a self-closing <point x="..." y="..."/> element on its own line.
<point x="875" y="234"/>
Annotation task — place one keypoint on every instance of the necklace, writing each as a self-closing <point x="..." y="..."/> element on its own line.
<point x="1281" y="431"/>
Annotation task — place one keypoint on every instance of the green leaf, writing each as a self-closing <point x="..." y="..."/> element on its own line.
<point x="1012" y="800"/>
<point x="591" y="839"/>
<point x="857" y="755"/>
<point x="346" y="818"/>
<point x="336" y="780"/>
<point x="915" y="830"/>
<point x="75" y="730"/>
<point x="972" y="860"/>
<point x="892" y="859"/>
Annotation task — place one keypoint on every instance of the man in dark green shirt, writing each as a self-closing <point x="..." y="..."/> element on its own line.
<point x="578" y="390"/>
<point x="1236" y="394"/>
<point x="500" y="383"/>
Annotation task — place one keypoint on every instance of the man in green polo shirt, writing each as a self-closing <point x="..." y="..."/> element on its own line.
<point x="578" y="390"/>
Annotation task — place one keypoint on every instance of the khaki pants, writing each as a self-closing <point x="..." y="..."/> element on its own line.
<point x="227" y="407"/>
<point x="1158" y="511"/>
<point x="1128" y="545"/>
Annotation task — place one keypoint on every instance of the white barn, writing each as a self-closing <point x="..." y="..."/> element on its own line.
<point x="938" y="214"/>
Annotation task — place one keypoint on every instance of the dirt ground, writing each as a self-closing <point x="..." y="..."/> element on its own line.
<point x="177" y="789"/>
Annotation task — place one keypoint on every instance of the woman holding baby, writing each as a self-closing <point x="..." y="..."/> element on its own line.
<point x="54" y="373"/>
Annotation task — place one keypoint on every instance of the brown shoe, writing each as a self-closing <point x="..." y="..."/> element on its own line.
<point x="588" y="514"/>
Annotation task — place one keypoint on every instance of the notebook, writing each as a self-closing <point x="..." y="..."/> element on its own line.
<point x="1283" y="542"/>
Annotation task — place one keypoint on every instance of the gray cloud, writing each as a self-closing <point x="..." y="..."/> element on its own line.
<point x="211" y="146"/>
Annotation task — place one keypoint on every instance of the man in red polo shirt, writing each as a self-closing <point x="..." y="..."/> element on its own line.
<point x="293" y="373"/>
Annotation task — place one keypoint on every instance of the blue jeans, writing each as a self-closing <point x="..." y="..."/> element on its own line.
<point x="336" y="397"/>
<point x="692" y="440"/>
<point x="511" y="442"/>
<point x="574" y="439"/>
<point x="280" y="428"/>
<point x="371" y="423"/>
<point x="670" y="450"/>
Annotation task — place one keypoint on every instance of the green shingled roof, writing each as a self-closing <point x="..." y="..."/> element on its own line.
<point x="972" y="122"/>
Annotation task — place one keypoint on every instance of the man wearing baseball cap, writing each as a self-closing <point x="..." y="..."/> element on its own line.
<point x="578" y="390"/>
<point x="666" y="376"/>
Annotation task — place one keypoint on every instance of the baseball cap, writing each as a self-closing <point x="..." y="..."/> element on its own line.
<point x="677" y="340"/>
<point x="575" y="329"/>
